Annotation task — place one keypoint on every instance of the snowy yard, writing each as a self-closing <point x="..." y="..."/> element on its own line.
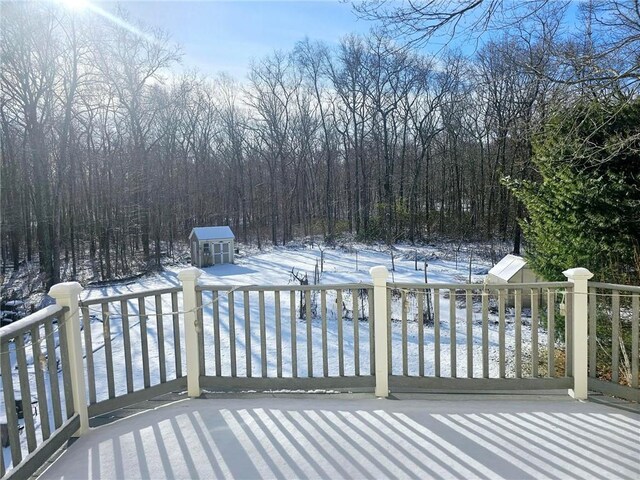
<point x="340" y="266"/>
<point x="274" y="268"/>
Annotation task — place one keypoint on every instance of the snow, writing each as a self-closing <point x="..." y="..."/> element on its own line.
<point x="298" y="338"/>
<point x="213" y="233"/>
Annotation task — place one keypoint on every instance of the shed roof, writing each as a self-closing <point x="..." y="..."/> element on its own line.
<point x="508" y="267"/>
<point x="212" y="233"/>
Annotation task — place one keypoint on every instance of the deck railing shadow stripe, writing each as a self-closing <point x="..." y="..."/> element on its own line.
<point x="589" y="433"/>
<point x="324" y="444"/>
<point x="273" y="451"/>
<point x="572" y="434"/>
<point x="515" y="456"/>
<point x="454" y="459"/>
<point x="625" y="435"/>
<point x="305" y="444"/>
<point x="186" y="456"/>
<point x="162" y="449"/>
<point x="418" y="452"/>
<point x="357" y="453"/>
<point x="299" y="450"/>
<point x="546" y="459"/>
<point x="546" y="455"/>
<point x="255" y="454"/>
<point x="214" y="454"/>
<point x="545" y="440"/>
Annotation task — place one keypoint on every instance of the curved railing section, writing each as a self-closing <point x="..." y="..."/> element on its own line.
<point x="614" y="335"/>
<point x="37" y="408"/>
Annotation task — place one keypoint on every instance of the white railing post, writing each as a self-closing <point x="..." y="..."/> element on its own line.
<point x="379" y="275"/>
<point x="579" y="277"/>
<point x="189" y="278"/>
<point x="66" y="295"/>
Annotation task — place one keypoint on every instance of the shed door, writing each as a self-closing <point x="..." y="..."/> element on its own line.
<point x="225" y="252"/>
<point x="217" y="253"/>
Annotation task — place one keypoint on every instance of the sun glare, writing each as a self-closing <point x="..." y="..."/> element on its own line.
<point x="75" y="4"/>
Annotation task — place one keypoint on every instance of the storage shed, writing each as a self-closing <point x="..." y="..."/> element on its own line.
<point x="511" y="269"/>
<point x="211" y="246"/>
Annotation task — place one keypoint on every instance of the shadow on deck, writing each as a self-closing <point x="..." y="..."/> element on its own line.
<point x="357" y="436"/>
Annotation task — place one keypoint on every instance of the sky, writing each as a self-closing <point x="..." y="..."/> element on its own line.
<point x="223" y="35"/>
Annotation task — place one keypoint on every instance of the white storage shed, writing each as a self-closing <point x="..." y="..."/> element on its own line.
<point x="211" y="246"/>
<point x="511" y="269"/>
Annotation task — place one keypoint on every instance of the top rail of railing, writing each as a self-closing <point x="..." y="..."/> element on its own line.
<point x="614" y="286"/>
<point x="129" y="296"/>
<point x="25" y="324"/>
<point x="479" y="286"/>
<point x="283" y="288"/>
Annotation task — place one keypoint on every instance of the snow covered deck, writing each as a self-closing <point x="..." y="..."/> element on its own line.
<point x="358" y="436"/>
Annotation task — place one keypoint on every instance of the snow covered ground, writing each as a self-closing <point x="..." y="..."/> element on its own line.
<point x="341" y="265"/>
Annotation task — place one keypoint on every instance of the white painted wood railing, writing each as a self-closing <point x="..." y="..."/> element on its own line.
<point x="380" y="337"/>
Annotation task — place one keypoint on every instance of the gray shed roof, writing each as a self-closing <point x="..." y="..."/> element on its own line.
<point x="212" y="233"/>
<point x="508" y="267"/>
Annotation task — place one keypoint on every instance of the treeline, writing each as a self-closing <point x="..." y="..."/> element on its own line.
<point x="108" y="157"/>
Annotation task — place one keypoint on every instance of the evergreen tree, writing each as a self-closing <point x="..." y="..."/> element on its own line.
<point x="584" y="209"/>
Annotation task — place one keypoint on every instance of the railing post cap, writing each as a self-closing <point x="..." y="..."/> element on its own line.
<point x="578" y="274"/>
<point x="189" y="274"/>
<point x="65" y="289"/>
<point x="379" y="272"/>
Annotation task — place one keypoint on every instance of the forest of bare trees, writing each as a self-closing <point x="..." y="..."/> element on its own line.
<point x="109" y="158"/>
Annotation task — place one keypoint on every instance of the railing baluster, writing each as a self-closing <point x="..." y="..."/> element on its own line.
<point x="535" y="302"/>
<point x="325" y="346"/>
<point x="389" y="333"/>
<point x="485" y="334"/>
<point x="294" y="335"/>
<point x="453" y="348"/>
<point x="202" y="365"/>
<point x="501" y="333"/>
<point x="263" y="334"/>
<point x="593" y="332"/>
<point x="615" y="336"/>
<point x="247" y="334"/>
<point x="88" y="351"/>
<point x="25" y="392"/>
<point x="372" y="350"/>
<point x="38" y="363"/>
<point x="421" y="294"/>
<point x="52" y="367"/>
<point x="551" y="333"/>
<point x="307" y="304"/>
<point x="568" y="335"/>
<point x="64" y="364"/>
<point x="405" y="346"/>
<point x="436" y="331"/>
<point x="108" y="352"/>
<point x="232" y="333"/>
<point x="635" y="338"/>
<point x="469" y="312"/>
<point x="518" y="330"/>
<point x="217" y="354"/>
<point x="276" y="296"/>
<point x="144" y="342"/>
<point x="340" y="333"/>
<point x="356" y="331"/>
<point x="9" y="402"/>
<point x="126" y="337"/>
<point x="160" y="335"/>
<point x="177" y="350"/>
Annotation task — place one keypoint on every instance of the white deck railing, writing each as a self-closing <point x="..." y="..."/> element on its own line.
<point x="380" y="336"/>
